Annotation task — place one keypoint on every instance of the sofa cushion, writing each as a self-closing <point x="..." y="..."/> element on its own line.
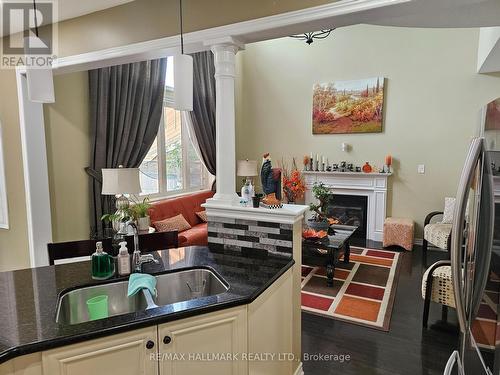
<point x="203" y="216"/>
<point x="196" y="236"/>
<point x="187" y="205"/>
<point x="449" y="210"/>
<point x="177" y="223"/>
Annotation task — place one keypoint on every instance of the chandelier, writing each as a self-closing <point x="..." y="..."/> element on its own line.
<point x="309" y="37"/>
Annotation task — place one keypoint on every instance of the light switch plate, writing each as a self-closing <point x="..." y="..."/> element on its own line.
<point x="421" y="168"/>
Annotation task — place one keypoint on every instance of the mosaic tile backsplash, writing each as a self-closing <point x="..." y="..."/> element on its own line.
<point x="256" y="237"/>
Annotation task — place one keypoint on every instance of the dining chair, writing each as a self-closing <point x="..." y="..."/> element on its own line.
<point x="75" y="249"/>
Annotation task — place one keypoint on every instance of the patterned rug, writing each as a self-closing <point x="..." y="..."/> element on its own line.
<point x="363" y="291"/>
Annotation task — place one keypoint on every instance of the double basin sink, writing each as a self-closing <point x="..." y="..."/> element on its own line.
<point x="172" y="287"/>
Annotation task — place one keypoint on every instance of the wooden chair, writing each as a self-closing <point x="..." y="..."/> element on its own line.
<point x="154" y="241"/>
<point x="75" y="249"/>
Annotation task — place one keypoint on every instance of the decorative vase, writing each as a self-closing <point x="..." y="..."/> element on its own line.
<point x="318" y="225"/>
<point x="143" y="223"/>
<point x="367" y="168"/>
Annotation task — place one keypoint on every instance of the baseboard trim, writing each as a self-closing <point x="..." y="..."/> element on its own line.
<point x="299" y="370"/>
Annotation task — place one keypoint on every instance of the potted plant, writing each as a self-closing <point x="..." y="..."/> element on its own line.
<point x="116" y="219"/>
<point x="140" y="214"/>
<point x="323" y="195"/>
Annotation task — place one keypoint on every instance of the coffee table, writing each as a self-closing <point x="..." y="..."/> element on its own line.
<point x="328" y="252"/>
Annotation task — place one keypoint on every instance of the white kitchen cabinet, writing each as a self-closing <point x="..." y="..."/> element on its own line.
<point x="212" y="344"/>
<point x="129" y="353"/>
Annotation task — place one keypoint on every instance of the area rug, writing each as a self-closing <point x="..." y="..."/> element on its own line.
<point x="363" y="291"/>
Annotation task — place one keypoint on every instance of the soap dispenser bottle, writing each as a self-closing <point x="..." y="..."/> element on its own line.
<point x="103" y="264"/>
<point x="123" y="260"/>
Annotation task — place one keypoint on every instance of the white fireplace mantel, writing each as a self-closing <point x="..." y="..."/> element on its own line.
<point x="372" y="185"/>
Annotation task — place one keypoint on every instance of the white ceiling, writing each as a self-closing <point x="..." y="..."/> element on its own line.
<point x="68" y="9"/>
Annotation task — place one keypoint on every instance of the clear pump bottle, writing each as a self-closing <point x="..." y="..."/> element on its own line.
<point x="123" y="260"/>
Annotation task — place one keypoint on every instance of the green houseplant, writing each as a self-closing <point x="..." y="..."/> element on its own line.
<point x="140" y="212"/>
<point x="323" y="195"/>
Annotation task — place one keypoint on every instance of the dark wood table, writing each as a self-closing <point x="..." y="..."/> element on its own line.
<point x="327" y="252"/>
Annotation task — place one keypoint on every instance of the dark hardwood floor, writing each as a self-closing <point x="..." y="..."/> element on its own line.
<point x="405" y="349"/>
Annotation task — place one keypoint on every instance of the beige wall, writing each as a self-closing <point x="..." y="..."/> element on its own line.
<point x="68" y="151"/>
<point x="432" y="101"/>
<point x="13" y="241"/>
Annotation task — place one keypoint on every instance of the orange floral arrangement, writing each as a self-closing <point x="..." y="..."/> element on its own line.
<point x="293" y="183"/>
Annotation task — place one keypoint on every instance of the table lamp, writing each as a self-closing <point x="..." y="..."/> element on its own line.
<point x="118" y="182"/>
<point x="247" y="168"/>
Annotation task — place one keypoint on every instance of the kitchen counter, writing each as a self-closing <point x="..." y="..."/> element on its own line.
<point x="29" y="297"/>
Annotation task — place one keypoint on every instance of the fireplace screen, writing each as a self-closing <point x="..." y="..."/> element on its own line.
<point x="349" y="210"/>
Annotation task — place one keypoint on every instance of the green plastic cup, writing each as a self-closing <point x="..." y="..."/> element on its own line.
<point x="98" y="307"/>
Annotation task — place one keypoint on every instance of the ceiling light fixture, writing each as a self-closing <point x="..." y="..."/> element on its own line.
<point x="309" y="37"/>
<point x="40" y="80"/>
<point x="183" y="75"/>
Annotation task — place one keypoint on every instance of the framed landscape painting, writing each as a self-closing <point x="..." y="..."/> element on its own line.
<point x="345" y="107"/>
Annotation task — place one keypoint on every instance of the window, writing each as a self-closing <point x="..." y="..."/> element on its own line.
<point x="172" y="165"/>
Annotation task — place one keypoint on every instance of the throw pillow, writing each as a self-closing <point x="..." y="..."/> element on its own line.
<point x="177" y="223"/>
<point x="203" y="216"/>
<point x="449" y="210"/>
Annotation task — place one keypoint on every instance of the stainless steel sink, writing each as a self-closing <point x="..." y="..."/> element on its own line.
<point x="172" y="287"/>
<point x="72" y="307"/>
<point x="187" y="285"/>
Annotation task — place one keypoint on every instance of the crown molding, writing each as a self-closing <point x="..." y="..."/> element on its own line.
<point x="250" y="31"/>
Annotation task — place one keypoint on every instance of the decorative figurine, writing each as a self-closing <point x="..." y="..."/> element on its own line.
<point x="271" y="181"/>
<point x="367" y="168"/>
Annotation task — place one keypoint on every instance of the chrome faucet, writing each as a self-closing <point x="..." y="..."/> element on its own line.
<point x="137" y="258"/>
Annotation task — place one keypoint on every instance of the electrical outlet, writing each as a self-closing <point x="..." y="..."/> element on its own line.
<point x="421" y="168"/>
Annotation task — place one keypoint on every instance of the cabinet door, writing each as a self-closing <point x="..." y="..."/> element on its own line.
<point x="130" y="353"/>
<point x="211" y="344"/>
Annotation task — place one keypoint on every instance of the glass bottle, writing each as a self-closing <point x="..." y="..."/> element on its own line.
<point x="103" y="264"/>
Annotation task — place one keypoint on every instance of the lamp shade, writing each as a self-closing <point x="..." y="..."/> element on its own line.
<point x="120" y="181"/>
<point x="183" y="82"/>
<point x="39" y="78"/>
<point x="247" y="168"/>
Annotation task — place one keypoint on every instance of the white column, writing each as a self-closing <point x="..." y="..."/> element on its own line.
<point x="224" y="51"/>
<point x="36" y="176"/>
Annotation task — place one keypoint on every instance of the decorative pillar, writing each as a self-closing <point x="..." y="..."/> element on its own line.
<point x="224" y="51"/>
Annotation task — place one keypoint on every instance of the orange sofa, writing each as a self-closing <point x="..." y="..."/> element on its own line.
<point x="187" y="205"/>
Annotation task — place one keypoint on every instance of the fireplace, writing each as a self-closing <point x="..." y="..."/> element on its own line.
<point x="373" y="186"/>
<point x="350" y="210"/>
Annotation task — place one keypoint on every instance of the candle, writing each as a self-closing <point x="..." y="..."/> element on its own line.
<point x="323" y="159"/>
<point x="311" y="155"/>
<point x="317" y="157"/>
<point x="388" y="160"/>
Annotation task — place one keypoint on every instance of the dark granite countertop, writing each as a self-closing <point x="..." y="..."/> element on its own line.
<point x="29" y="297"/>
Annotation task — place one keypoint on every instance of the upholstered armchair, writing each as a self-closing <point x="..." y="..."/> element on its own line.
<point x="437" y="286"/>
<point x="435" y="233"/>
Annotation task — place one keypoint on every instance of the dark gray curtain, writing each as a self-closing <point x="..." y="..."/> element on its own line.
<point x="203" y="114"/>
<point x="126" y="104"/>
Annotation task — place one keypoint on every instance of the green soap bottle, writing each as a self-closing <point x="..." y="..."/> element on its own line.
<point x="103" y="264"/>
